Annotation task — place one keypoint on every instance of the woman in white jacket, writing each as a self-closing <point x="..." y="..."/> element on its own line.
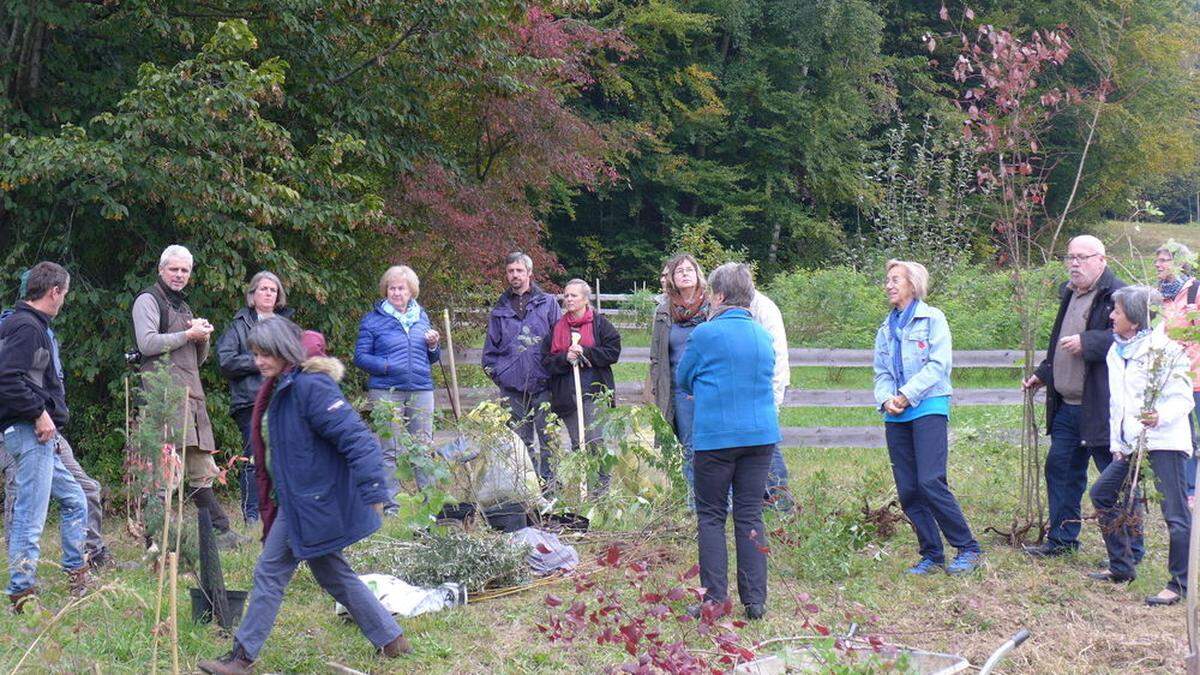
<point x="1150" y="397"/>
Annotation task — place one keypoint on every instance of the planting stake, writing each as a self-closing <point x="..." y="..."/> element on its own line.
<point x="1193" y="620"/>
<point x="173" y="561"/>
<point x="455" y="404"/>
<point x="575" y="337"/>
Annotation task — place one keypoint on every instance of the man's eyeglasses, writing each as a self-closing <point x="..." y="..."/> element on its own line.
<point x="1068" y="259"/>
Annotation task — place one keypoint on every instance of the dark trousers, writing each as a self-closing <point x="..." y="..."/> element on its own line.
<point x="529" y="421"/>
<point x="1191" y="463"/>
<point x="1120" y="529"/>
<point x="273" y="573"/>
<point x="246" y="475"/>
<point x="919" y="451"/>
<point x="745" y="470"/>
<point x="1066" y="478"/>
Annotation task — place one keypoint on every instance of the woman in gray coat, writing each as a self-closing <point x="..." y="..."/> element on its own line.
<point x="684" y="306"/>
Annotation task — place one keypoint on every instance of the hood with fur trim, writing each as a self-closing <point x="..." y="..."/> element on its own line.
<point x="326" y="365"/>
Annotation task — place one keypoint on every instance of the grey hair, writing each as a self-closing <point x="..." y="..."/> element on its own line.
<point x="587" y="290"/>
<point x="517" y="256"/>
<point x="734" y="283"/>
<point x="175" y="251"/>
<point x="280" y="297"/>
<point x="278" y="337"/>
<point x="1139" y="304"/>
<point x="1177" y="251"/>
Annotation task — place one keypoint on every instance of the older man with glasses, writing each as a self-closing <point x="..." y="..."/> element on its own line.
<point x="1076" y="378"/>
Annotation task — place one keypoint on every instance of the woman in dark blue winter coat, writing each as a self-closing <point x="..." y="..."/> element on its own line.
<point x="398" y="346"/>
<point x="325" y="490"/>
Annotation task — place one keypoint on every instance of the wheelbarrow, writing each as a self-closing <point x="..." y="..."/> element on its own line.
<point x="804" y="660"/>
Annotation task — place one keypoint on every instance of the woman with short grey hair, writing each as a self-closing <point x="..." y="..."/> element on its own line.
<point x="1174" y="263"/>
<point x="727" y="367"/>
<point x="1145" y="366"/>
<point x="265" y="297"/>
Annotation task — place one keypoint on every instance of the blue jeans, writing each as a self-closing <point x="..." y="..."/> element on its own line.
<point x="246" y="477"/>
<point x="1119" y="533"/>
<point x="685" y="417"/>
<point x="40" y="475"/>
<point x="272" y="574"/>
<point x="919" y="451"/>
<point x="1066" y="479"/>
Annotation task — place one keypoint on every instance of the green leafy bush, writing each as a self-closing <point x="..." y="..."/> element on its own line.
<point x="842" y="307"/>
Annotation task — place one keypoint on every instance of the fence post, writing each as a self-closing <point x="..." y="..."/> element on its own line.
<point x="597" y="295"/>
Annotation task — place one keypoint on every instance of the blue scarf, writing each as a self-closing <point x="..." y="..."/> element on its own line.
<point x="408" y="318"/>
<point x="1123" y="345"/>
<point x="897" y="321"/>
<point x="1170" y="289"/>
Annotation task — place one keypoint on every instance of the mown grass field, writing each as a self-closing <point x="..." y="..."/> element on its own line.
<point x="825" y="550"/>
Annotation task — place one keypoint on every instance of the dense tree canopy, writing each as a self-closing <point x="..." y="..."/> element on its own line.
<point x="327" y="139"/>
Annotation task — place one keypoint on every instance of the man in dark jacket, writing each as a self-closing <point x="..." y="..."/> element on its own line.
<point x="1076" y="376"/>
<point x="512" y="354"/>
<point x="98" y="555"/>
<point x="32" y="410"/>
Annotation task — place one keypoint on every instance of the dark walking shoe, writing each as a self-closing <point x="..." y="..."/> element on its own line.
<point x="397" y="647"/>
<point x="1164" y="598"/>
<point x="755" y="612"/>
<point x="22" y="598"/>
<point x="1048" y="550"/>
<point x="925" y="566"/>
<point x="100" y="560"/>
<point x="965" y="563"/>
<point x="1108" y="576"/>
<point x="79" y="581"/>
<point x="234" y="663"/>
<point x="230" y="540"/>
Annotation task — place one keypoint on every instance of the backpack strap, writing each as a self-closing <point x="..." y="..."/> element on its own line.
<point x="1192" y="290"/>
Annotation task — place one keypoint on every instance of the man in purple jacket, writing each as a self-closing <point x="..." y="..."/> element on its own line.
<point x="512" y="355"/>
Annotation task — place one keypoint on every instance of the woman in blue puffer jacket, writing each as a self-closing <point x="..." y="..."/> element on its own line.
<point x="398" y="346"/>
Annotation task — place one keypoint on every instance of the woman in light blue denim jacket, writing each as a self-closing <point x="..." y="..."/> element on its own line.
<point x="912" y="390"/>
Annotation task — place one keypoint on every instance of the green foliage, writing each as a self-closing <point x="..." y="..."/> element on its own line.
<point x="478" y="560"/>
<point x="828" y="528"/>
<point x="843" y="307"/>
<point x="924" y="209"/>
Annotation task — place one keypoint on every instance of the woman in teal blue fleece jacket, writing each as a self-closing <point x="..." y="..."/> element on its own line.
<point x="727" y="367"/>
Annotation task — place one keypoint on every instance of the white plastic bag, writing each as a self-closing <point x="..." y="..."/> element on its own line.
<point x="407" y="601"/>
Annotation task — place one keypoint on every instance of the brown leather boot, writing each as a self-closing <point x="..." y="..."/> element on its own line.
<point x="397" y="647"/>
<point x="79" y="581"/>
<point x="234" y="663"/>
<point x="21" y="598"/>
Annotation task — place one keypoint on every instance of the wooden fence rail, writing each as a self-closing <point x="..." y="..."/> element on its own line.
<point x="837" y="358"/>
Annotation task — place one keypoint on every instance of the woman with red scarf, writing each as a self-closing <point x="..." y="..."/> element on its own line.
<point x="596" y="349"/>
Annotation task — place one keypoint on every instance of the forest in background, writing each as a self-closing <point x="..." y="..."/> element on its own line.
<point x="327" y="140"/>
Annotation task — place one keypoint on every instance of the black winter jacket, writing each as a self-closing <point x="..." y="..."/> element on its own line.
<point x="29" y="382"/>
<point x="594" y="378"/>
<point x="1097" y="338"/>
<point x="237" y="361"/>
